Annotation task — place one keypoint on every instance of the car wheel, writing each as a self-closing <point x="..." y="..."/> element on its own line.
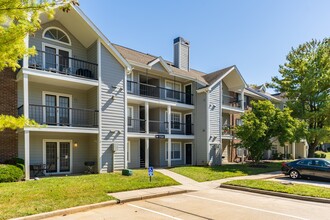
<point x="294" y="174"/>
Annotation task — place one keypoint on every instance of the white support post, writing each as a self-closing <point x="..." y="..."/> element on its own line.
<point x="294" y="150"/>
<point x="26" y="57"/>
<point x="146" y="153"/>
<point x="27" y="154"/>
<point x="242" y="99"/>
<point x="169" y="119"/>
<point x="169" y="150"/>
<point x="99" y="95"/>
<point x="146" y="116"/>
<point x="26" y="95"/>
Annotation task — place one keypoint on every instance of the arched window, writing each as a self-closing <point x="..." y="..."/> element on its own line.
<point x="56" y="34"/>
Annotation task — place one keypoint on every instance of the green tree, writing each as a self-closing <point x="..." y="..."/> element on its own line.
<point x="305" y="81"/>
<point x="265" y="124"/>
<point x="19" y="18"/>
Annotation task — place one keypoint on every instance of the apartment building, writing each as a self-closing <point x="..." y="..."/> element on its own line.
<point x="114" y="107"/>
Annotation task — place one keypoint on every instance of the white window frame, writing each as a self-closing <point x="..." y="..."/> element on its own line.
<point x="44" y="141"/>
<point x="128" y="154"/>
<point x="166" y="153"/>
<point x="57" y="48"/>
<point x="47" y="29"/>
<point x="166" y="125"/>
<point x="168" y="87"/>
<point x="44" y="93"/>
<point x="130" y="77"/>
<point x="131" y="109"/>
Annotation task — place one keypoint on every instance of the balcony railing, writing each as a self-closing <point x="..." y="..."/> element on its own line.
<point x="61" y="116"/>
<point x="157" y="92"/>
<point x="63" y="65"/>
<point x="136" y="125"/>
<point x="227" y="130"/>
<point x="159" y="127"/>
<point x="231" y="101"/>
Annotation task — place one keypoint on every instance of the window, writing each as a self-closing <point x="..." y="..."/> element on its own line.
<point x="175" y="120"/>
<point x="129" y="116"/>
<point x="56" y="34"/>
<point x="239" y="122"/>
<point x="129" y="82"/>
<point x="175" y="151"/>
<point x="173" y="90"/>
<point x="56" y="58"/>
<point x="128" y="155"/>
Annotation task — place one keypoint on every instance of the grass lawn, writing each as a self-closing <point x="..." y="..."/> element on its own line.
<point x="297" y="189"/>
<point x="328" y="155"/>
<point x="202" y="174"/>
<point x="48" y="194"/>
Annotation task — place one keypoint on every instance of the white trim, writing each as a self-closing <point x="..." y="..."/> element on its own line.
<point x="162" y="62"/>
<point x="57" y="41"/>
<point x="44" y="141"/>
<point x="62" y="129"/>
<point x="44" y="93"/>
<point x="57" y="48"/>
<point x="185" y="152"/>
<point x="128" y="152"/>
<point x="99" y="102"/>
<point x="173" y="112"/>
<point x="166" y="147"/>
<point x="224" y="75"/>
<point x="131" y="108"/>
<point x="131" y="75"/>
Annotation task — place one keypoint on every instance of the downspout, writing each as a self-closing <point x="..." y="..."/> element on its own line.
<point x="220" y="121"/>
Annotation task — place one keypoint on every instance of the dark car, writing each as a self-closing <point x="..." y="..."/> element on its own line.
<point x="309" y="167"/>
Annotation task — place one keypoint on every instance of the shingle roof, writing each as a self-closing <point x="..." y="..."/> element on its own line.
<point x="214" y="76"/>
<point x="144" y="58"/>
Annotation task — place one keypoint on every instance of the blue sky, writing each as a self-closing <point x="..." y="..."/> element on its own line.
<point x="254" y="35"/>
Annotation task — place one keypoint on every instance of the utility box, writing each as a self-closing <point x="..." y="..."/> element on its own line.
<point x="114" y="147"/>
<point x="127" y="172"/>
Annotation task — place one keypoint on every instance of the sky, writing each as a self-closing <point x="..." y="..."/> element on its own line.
<point x="254" y="35"/>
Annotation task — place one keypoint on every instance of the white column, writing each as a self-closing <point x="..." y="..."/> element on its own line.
<point x="99" y="96"/>
<point x="26" y="58"/>
<point x="146" y="152"/>
<point x="169" y="119"/>
<point x="169" y="150"/>
<point x="26" y="95"/>
<point x="242" y="99"/>
<point x="146" y="116"/>
<point x="27" y="154"/>
<point x="294" y="150"/>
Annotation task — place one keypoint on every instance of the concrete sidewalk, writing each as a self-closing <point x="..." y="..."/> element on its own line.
<point x="188" y="185"/>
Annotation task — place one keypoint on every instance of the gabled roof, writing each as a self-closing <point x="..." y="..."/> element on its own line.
<point x="214" y="76"/>
<point x="265" y="95"/>
<point x="143" y="58"/>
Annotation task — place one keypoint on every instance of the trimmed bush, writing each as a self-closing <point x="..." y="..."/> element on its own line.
<point x="16" y="162"/>
<point x="320" y="154"/>
<point x="10" y="173"/>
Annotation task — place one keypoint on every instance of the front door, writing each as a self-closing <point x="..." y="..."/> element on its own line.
<point x="188" y="124"/>
<point x="188" y="94"/>
<point x="188" y="154"/>
<point x="142" y="153"/>
<point x="57" y="156"/>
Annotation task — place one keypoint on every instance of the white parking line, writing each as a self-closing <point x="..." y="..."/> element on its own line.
<point x="247" y="207"/>
<point x="149" y="210"/>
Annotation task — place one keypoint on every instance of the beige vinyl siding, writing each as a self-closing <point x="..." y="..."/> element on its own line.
<point x="113" y="117"/>
<point x="78" y="50"/>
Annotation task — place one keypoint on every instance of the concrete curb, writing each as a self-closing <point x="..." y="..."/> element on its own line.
<point x="153" y="196"/>
<point x="67" y="211"/>
<point x="279" y="194"/>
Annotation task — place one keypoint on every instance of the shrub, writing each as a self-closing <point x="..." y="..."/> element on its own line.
<point x="10" y="173"/>
<point x="16" y="162"/>
<point x="320" y="154"/>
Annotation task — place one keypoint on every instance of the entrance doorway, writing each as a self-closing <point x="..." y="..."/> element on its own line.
<point x="58" y="156"/>
<point x="188" y="94"/>
<point x="188" y="154"/>
<point x="142" y="153"/>
<point x="188" y="124"/>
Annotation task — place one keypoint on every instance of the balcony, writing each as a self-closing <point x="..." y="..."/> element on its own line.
<point x="63" y="65"/>
<point x="227" y="131"/>
<point x="61" y="116"/>
<point x="231" y="104"/>
<point x="152" y="91"/>
<point x="159" y="127"/>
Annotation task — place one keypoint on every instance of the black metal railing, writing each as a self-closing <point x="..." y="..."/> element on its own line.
<point x="136" y="125"/>
<point x="157" y="92"/>
<point x="63" y="65"/>
<point x="62" y="116"/>
<point x="231" y="101"/>
<point x="158" y="127"/>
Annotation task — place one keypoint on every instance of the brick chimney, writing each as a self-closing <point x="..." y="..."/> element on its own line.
<point x="181" y="53"/>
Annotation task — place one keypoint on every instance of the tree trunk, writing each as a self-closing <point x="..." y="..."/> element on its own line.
<point x="311" y="149"/>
